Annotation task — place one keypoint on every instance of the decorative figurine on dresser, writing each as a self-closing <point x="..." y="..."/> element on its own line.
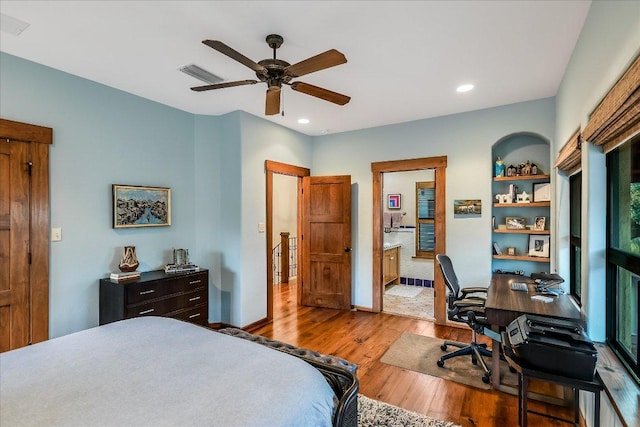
<point x="182" y="293"/>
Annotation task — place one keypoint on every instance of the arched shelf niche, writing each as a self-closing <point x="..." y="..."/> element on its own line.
<point x="519" y="243"/>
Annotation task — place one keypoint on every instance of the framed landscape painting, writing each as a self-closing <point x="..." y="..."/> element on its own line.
<point x="137" y="206"/>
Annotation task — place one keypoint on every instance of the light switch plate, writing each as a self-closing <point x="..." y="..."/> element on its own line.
<point x="56" y="234"/>
<point x="261" y="227"/>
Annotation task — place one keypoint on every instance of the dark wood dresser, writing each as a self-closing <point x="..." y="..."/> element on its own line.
<point x="182" y="296"/>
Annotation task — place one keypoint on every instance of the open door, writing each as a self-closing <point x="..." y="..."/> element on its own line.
<point x="326" y="242"/>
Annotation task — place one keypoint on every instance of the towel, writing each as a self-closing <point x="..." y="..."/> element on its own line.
<point x="386" y="220"/>
<point x="396" y="219"/>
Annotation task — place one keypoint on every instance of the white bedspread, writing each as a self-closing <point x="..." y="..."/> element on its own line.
<point x="154" y="371"/>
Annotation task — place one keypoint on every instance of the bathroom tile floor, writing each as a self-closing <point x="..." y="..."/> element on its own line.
<point x="420" y="306"/>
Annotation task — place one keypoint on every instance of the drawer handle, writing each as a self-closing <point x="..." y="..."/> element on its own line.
<point x="194" y="316"/>
<point x="194" y="282"/>
<point x="151" y="310"/>
<point x="147" y="292"/>
<point x="194" y="299"/>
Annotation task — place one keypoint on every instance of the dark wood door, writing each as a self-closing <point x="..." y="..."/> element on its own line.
<point x="24" y="233"/>
<point x="326" y="241"/>
<point x="14" y="245"/>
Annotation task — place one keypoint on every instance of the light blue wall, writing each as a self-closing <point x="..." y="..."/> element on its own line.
<point x="102" y="136"/>
<point x="608" y="43"/>
<point x="466" y="139"/>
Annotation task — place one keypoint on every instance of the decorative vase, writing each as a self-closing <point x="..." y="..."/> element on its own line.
<point x="129" y="260"/>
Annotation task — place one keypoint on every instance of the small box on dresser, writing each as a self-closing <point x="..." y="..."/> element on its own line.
<point x="183" y="296"/>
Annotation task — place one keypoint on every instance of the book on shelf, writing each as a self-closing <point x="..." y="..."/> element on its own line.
<point x="496" y="249"/>
<point x="121" y="276"/>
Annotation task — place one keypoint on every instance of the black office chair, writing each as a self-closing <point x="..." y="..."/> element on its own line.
<point x="465" y="305"/>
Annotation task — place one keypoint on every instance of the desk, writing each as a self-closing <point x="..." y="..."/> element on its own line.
<point x="503" y="305"/>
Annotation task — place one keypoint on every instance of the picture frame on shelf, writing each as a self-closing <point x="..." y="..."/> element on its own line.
<point x="541" y="192"/>
<point x="140" y="206"/>
<point x="511" y="251"/>
<point x="516" y="223"/>
<point x="539" y="246"/>
<point x="394" y="201"/>
<point x="539" y="223"/>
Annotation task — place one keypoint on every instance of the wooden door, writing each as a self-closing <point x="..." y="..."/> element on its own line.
<point x="326" y="241"/>
<point x="14" y="245"/>
<point x="24" y="234"/>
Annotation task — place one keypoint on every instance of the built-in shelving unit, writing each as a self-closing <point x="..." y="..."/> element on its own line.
<point x="516" y="150"/>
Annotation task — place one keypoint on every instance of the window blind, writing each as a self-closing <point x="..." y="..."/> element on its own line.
<point x="570" y="156"/>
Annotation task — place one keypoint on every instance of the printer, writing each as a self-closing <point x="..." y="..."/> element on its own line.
<point x="551" y="345"/>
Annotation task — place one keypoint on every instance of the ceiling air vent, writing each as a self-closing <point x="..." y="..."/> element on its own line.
<point x="11" y="25"/>
<point x="201" y="74"/>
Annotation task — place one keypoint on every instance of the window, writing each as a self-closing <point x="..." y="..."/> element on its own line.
<point x="575" y="222"/>
<point x="425" y="219"/>
<point x="623" y="252"/>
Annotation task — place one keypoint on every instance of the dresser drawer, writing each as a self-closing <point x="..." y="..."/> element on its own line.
<point x="199" y="315"/>
<point x="141" y="292"/>
<point x="162" y="306"/>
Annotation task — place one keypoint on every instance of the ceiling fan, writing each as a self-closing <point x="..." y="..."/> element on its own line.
<point x="276" y="72"/>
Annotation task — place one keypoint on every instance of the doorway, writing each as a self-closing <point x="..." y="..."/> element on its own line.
<point x="275" y="168"/>
<point x="408" y="243"/>
<point x="438" y="164"/>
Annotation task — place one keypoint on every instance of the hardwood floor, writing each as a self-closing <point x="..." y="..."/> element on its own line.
<point x="363" y="338"/>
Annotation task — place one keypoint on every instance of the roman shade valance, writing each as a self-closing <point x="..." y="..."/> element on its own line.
<point x="617" y="117"/>
<point x="570" y="156"/>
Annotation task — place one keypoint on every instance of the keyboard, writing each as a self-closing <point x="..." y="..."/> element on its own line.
<point x="519" y="286"/>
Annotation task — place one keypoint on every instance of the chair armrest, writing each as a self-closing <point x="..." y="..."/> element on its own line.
<point x="471" y="303"/>
<point x="473" y="289"/>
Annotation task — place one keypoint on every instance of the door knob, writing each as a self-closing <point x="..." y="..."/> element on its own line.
<point x="347" y="249"/>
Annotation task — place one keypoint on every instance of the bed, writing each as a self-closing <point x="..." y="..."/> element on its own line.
<point x="156" y="371"/>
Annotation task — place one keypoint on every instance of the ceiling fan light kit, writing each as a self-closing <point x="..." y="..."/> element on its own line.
<point x="276" y="72"/>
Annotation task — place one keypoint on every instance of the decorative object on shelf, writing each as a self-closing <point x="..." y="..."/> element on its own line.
<point x="499" y="169"/>
<point x="181" y="263"/>
<point x="511" y="251"/>
<point x="541" y="192"/>
<point x="534" y="169"/>
<point x="526" y="168"/>
<point x="467" y="208"/>
<point x="394" y="201"/>
<point x="503" y="198"/>
<point x="511" y="170"/>
<point x="129" y="261"/>
<point x="523" y="197"/>
<point x="496" y="249"/>
<point x="137" y="206"/>
<point x="516" y="223"/>
<point x="540" y="223"/>
<point x="539" y="246"/>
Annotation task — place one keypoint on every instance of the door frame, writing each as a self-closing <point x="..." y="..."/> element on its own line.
<point x="39" y="138"/>
<point x="439" y="164"/>
<point x="272" y="167"/>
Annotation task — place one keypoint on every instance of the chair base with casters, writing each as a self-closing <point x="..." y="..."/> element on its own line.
<point x="474" y="349"/>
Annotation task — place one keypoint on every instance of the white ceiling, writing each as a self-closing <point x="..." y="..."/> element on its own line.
<point x="405" y="59"/>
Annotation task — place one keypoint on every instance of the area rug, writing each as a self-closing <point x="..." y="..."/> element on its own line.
<point x="404" y="291"/>
<point x="419" y="353"/>
<point x="373" y="413"/>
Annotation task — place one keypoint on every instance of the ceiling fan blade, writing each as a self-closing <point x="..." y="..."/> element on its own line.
<point x="328" y="59"/>
<point x="272" y="105"/>
<point x="233" y="54"/>
<point x="318" y="92"/>
<point x="223" y="85"/>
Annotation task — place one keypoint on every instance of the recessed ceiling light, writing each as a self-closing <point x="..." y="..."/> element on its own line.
<point x="464" y="88"/>
<point x="303" y="121"/>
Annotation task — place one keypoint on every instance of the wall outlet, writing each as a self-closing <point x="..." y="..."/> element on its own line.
<point x="56" y="234"/>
